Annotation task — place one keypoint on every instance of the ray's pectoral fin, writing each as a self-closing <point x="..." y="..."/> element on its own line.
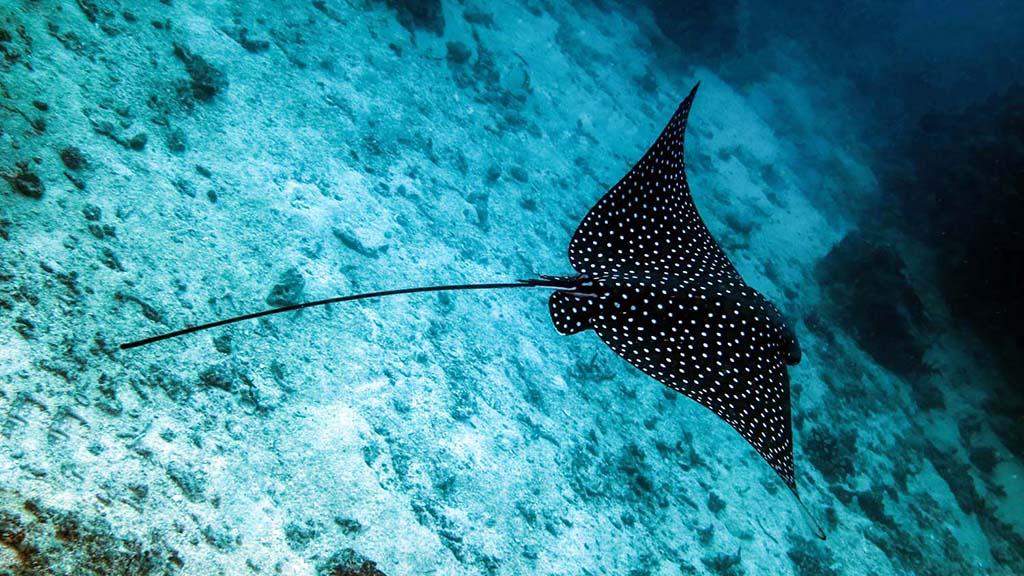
<point x="672" y="304"/>
<point x="572" y="312"/>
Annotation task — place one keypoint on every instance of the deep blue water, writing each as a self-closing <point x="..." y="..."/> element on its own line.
<point x="170" y="163"/>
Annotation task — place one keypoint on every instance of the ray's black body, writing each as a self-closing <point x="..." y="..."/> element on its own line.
<point x="658" y="290"/>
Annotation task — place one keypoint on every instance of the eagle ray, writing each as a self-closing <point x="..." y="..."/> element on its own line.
<point x="656" y="287"/>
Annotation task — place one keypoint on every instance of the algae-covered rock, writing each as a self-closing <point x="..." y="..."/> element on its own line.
<point x="45" y="539"/>
<point x="290" y="289"/>
<point x="348" y="562"/>
<point x="25" y="181"/>
<point x="206" y="80"/>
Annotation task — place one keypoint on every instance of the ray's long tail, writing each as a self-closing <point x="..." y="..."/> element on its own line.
<point x="543" y="281"/>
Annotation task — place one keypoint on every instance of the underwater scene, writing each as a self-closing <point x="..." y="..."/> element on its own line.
<point x="511" y="328"/>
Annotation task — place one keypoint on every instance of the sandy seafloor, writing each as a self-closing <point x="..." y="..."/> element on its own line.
<point x="231" y="153"/>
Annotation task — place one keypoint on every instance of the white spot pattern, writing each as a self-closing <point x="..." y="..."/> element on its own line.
<point x="662" y="294"/>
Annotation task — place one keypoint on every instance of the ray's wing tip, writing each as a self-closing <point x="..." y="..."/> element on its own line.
<point x="811" y="521"/>
<point x="693" y="93"/>
<point x="683" y="112"/>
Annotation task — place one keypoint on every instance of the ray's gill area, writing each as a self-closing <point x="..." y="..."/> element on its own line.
<point x="168" y="163"/>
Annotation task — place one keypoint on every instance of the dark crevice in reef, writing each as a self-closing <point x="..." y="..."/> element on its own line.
<point x="705" y="29"/>
<point x="965" y="196"/>
<point x="962" y="194"/>
<point x="869" y="292"/>
<point x="419" y="15"/>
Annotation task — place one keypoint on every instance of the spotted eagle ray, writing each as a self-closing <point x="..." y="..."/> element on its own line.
<point x="656" y="287"/>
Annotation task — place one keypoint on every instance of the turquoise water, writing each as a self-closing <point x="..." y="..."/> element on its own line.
<point x="172" y="163"/>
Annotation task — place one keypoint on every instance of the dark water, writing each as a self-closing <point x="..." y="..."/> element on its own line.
<point x="168" y="163"/>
